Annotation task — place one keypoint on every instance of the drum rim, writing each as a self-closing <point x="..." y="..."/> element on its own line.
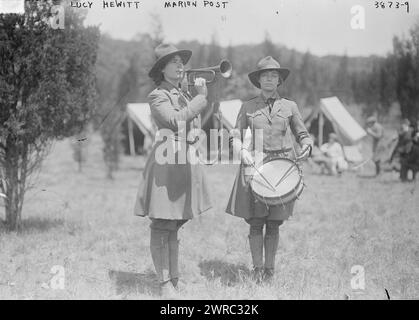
<point x="269" y="158"/>
<point x="300" y="181"/>
<point x="293" y="191"/>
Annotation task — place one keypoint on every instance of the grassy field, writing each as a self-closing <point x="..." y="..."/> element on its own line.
<point x="85" y="223"/>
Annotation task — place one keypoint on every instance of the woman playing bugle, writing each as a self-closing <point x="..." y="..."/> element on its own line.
<point x="172" y="192"/>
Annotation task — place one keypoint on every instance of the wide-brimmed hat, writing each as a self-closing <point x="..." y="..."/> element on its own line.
<point x="265" y="64"/>
<point x="164" y="52"/>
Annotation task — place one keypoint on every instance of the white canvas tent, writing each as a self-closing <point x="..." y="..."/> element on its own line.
<point x="349" y="131"/>
<point x="140" y="114"/>
<point x="345" y="126"/>
<point x="229" y="112"/>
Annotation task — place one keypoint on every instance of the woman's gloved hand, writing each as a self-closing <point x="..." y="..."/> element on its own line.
<point x="246" y="157"/>
<point x="201" y="86"/>
<point x="305" y="152"/>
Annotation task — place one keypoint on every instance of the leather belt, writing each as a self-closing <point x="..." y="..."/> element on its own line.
<point x="176" y="138"/>
<point x="276" y="152"/>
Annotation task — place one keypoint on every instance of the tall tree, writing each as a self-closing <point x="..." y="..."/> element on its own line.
<point x="111" y="128"/>
<point x="407" y="83"/>
<point x="47" y="91"/>
<point x="387" y="82"/>
<point x="290" y="87"/>
<point x="342" y="83"/>
<point x="157" y="31"/>
<point x="372" y="94"/>
<point x="268" y="48"/>
<point x="309" y="81"/>
<point x="231" y="53"/>
<point x="214" y="51"/>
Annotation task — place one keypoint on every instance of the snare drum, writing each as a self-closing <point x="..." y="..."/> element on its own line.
<point x="285" y="181"/>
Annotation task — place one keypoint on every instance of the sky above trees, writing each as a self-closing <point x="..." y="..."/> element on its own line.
<point x="322" y="26"/>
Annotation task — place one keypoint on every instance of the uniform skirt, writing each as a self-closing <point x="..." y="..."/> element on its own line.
<point x="172" y="191"/>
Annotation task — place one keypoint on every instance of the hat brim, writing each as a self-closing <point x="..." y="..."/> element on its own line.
<point x="185" y="55"/>
<point x="254" y="76"/>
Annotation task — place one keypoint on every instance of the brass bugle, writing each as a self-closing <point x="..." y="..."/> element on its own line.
<point x="209" y="73"/>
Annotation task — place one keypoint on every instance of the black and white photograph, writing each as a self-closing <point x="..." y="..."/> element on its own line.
<point x="234" y="150"/>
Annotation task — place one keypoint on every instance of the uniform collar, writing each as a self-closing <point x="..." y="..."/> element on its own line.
<point x="168" y="86"/>
<point x="263" y="102"/>
<point x="275" y="96"/>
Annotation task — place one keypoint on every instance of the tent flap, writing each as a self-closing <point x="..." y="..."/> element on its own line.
<point x="346" y="127"/>
<point x="141" y="115"/>
<point x="229" y="111"/>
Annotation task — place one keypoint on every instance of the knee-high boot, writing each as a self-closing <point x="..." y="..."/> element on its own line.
<point x="256" y="250"/>
<point x="159" y="247"/>
<point x="271" y="246"/>
<point x="174" y="258"/>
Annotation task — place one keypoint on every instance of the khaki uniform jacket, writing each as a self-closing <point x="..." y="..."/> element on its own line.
<point x="179" y="190"/>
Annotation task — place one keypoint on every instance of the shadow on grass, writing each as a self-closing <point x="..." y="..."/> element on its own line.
<point x="35" y="225"/>
<point x="366" y="176"/>
<point x="229" y="273"/>
<point x="132" y="168"/>
<point x="130" y="282"/>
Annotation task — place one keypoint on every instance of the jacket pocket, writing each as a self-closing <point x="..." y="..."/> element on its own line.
<point x="284" y="114"/>
<point x="281" y="120"/>
<point x="253" y="115"/>
<point x="255" y="119"/>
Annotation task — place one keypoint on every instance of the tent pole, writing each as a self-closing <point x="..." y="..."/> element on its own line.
<point x="321" y="124"/>
<point x="131" y="137"/>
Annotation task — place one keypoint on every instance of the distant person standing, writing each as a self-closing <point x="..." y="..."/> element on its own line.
<point x="403" y="148"/>
<point x="413" y="161"/>
<point x="376" y="131"/>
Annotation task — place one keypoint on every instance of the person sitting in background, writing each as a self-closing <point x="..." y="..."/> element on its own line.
<point x="376" y="131"/>
<point x="335" y="158"/>
<point x="317" y="156"/>
<point x="403" y="148"/>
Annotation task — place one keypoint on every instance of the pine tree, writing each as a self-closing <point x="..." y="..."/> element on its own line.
<point x="47" y="92"/>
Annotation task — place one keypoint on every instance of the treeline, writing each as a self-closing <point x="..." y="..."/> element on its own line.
<point x="374" y="82"/>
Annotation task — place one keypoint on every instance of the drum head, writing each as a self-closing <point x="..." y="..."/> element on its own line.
<point x="282" y="174"/>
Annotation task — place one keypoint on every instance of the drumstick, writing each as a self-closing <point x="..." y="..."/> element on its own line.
<point x="286" y="174"/>
<point x="361" y="164"/>
<point x="261" y="183"/>
<point x="266" y="180"/>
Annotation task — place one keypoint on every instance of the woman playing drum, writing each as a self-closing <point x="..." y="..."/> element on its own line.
<point x="173" y="191"/>
<point x="276" y="118"/>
